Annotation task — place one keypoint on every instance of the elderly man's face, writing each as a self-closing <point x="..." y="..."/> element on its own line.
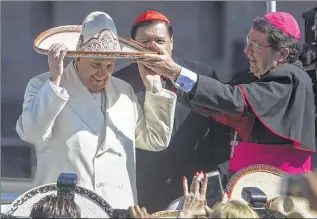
<point x="157" y="32"/>
<point x="261" y="55"/>
<point x="94" y="73"/>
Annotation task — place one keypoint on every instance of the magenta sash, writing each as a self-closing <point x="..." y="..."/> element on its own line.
<point x="284" y="157"/>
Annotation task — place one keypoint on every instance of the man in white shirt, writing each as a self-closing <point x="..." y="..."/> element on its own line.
<point x="84" y="121"/>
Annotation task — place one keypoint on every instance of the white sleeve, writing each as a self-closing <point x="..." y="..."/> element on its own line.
<point x="43" y="101"/>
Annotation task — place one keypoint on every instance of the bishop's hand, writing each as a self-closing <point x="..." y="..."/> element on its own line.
<point x="161" y="63"/>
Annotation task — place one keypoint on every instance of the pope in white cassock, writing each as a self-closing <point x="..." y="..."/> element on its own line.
<point x="82" y="120"/>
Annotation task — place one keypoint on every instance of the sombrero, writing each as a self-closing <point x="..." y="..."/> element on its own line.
<point x="293" y="207"/>
<point x="91" y="204"/>
<point x="168" y="214"/>
<point x="265" y="177"/>
<point x="96" y="37"/>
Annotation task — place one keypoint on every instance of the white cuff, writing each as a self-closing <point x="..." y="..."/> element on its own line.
<point x="186" y="80"/>
<point x="60" y="90"/>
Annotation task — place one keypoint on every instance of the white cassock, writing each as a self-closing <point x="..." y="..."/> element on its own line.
<point x="72" y="134"/>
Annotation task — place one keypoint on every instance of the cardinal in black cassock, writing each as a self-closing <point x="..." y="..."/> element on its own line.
<point x="195" y="140"/>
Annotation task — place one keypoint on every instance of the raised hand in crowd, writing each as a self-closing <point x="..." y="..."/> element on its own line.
<point x="137" y="212"/>
<point x="225" y="199"/>
<point x="302" y="185"/>
<point x="195" y="198"/>
<point x="311" y="182"/>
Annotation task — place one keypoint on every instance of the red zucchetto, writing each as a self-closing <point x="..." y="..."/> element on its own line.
<point x="285" y="22"/>
<point x="150" y="15"/>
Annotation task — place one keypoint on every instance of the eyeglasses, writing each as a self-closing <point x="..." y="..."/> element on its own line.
<point x="256" y="45"/>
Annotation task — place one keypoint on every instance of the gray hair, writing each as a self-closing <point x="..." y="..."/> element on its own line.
<point x="278" y="39"/>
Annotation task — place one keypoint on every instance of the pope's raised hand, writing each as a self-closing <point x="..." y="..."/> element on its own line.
<point x="56" y="54"/>
<point x="151" y="80"/>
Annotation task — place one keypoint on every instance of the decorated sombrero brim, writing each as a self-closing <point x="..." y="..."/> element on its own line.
<point x="90" y="203"/>
<point x="166" y="214"/>
<point x="169" y="214"/>
<point x="69" y="36"/>
<point x="265" y="177"/>
<point x="293" y="207"/>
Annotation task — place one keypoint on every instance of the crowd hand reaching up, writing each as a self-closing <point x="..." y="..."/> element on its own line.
<point x="137" y="212"/>
<point x="225" y="198"/>
<point x="195" y="199"/>
<point x="161" y="63"/>
<point x="56" y="54"/>
<point x="311" y="184"/>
